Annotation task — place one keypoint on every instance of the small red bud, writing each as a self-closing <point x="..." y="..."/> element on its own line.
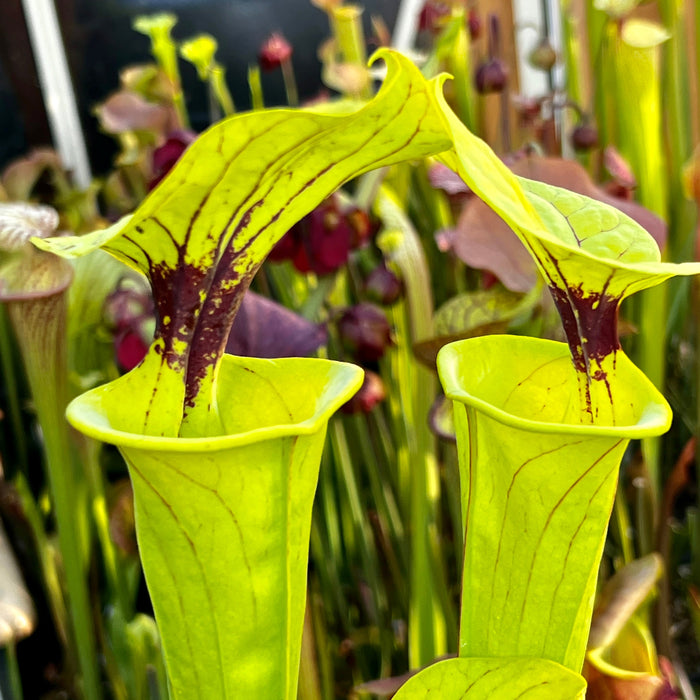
<point x="275" y="51"/>
<point x="383" y="286"/>
<point x="365" y="331"/>
<point x="433" y="15"/>
<point x="165" y="156"/>
<point x="491" y="76"/>
<point x="320" y="242"/>
<point x="370" y="394"/>
<point x="584" y="137"/>
<point x="128" y="313"/>
<point x="130" y="349"/>
<point x="474" y="24"/>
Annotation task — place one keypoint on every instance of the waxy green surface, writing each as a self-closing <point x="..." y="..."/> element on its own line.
<point x="201" y="235"/>
<point x="223" y="523"/>
<point x="538" y="476"/>
<point x="495" y="679"/>
<point x="224" y="453"/>
<point x="590" y="255"/>
<point x="537" y="484"/>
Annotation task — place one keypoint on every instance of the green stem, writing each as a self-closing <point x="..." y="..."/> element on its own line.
<point x="429" y="626"/>
<point x="217" y="80"/>
<point x="9" y="378"/>
<point x="40" y="328"/>
<point x="638" y="89"/>
<point x="622" y="522"/>
<point x="398" y="369"/>
<point x="165" y="53"/>
<point x="460" y="66"/>
<point x="347" y="29"/>
<point x="13" y="672"/>
<point x="601" y="36"/>
<point x="49" y="574"/>
<point x="572" y="53"/>
<point x="256" y="91"/>
<point x="290" y="83"/>
<point x="346" y="23"/>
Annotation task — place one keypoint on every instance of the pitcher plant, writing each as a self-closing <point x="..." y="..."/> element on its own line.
<point x="224" y="452"/>
<point x="541" y="430"/>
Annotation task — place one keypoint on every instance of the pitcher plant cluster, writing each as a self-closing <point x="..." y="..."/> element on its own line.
<point x="155" y="331"/>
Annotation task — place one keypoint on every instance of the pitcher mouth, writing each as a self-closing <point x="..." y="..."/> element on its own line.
<point x="467" y="383"/>
<point x="91" y="414"/>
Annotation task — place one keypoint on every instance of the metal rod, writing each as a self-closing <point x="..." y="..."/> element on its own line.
<point x="56" y="87"/>
<point x="406" y="25"/>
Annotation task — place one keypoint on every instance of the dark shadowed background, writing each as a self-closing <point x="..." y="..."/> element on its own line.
<point x="99" y="41"/>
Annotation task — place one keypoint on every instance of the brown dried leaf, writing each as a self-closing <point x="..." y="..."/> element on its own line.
<point x="484" y="241"/>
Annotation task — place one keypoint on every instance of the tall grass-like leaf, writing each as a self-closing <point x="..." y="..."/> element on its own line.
<point x="633" y="57"/>
<point x="430" y="621"/>
<point x="33" y="286"/>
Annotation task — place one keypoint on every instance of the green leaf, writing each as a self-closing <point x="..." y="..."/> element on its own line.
<point x="590" y="254"/>
<point x="537" y="483"/>
<point x="494" y="679"/>
<point x="480" y="312"/>
<point x="223" y="523"/>
<point x="627" y="668"/>
<point x="202" y="234"/>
